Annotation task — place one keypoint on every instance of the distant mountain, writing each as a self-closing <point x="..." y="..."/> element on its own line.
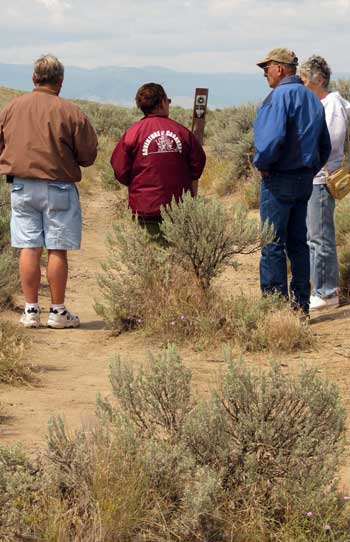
<point x="118" y="85"/>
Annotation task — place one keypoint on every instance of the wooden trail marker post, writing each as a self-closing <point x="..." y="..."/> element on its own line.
<point x="199" y="111"/>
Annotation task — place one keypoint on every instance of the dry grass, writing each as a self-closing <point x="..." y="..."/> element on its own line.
<point x="172" y="306"/>
<point x="104" y="493"/>
<point x="186" y="313"/>
<point x="267" y="324"/>
<point x="12" y="344"/>
<point x="218" y="176"/>
<point x="285" y="331"/>
<point x="251" y="190"/>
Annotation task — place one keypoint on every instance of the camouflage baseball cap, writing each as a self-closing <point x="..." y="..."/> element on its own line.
<point x="280" y="54"/>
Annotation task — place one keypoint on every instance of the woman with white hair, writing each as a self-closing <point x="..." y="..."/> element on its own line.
<point x="316" y="74"/>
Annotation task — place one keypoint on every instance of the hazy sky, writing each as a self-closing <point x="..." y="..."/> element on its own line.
<point x="187" y="35"/>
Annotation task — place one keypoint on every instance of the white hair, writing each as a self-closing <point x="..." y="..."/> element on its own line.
<point x="314" y="68"/>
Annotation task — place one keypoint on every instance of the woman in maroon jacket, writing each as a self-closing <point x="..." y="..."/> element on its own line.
<point x="156" y="158"/>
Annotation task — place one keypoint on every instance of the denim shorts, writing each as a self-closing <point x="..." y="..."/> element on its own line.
<point x="45" y="214"/>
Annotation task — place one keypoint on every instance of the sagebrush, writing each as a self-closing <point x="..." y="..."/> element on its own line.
<point x="342" y="230"/>
<point x="168" y="291"/>
<point x="256" y="460"/>
<point x="9" y="279"/>
<point x="207" y="236"/>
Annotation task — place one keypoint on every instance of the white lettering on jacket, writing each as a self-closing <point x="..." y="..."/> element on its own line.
<point x="164" y="141"/>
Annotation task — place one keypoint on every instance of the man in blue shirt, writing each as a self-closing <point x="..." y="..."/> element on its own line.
<point x="292" y="144"/>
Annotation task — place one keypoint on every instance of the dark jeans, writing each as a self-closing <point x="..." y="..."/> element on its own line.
<point x="152" y="225"/>
<point x="283" y="203"/>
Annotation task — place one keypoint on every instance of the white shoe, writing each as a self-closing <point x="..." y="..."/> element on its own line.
<point x="30" y="318"/>
<point x="62" y="319"/>
<point x="318" y="303"/>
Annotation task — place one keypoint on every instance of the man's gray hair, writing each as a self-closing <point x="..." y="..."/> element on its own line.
<point x="290" y="69"/>
<point x="315" y="67"/>
<point x="48" y="70"/>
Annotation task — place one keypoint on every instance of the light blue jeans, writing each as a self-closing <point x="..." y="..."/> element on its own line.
<point x="45" y="214"/>
<point x="321" y="239"/>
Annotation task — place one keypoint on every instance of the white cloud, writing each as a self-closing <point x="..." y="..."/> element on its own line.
<point x="56" y="8"/>
<point x="191" y="35"/>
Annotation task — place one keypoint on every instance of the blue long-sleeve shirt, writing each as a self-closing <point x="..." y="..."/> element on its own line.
<point x="290" y="131"/>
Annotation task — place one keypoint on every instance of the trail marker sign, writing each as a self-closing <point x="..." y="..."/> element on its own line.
<point x="199" y="111"/>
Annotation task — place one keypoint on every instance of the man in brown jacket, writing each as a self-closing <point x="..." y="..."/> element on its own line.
<point x="43" y="142"/>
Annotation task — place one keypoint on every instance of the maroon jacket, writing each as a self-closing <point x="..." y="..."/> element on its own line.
<point x="157" y="158"/>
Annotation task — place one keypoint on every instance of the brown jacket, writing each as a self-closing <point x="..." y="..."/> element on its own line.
<point x="43" y="136"/>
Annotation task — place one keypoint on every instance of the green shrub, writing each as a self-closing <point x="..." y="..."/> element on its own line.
<point x="342" y="230"/>
<point x="249" y="463"/>
<point x="344" y="268"/>
<point x="206" y="235"/>
<point x="103" y="166"/>
<point x="109" y="120"/>
<point x="113" y="120"/>
<point x="4" y="215"/>
<point x="9" y="279"/>
<point x="181" y="115"/>
<point x="231" y="137"/>
<point x="167" y="291"/>
<point x="261" y="441"/>
<point x="21" y="495"/>
<point x="135" y="268"/>
<point x="343" y="87"/>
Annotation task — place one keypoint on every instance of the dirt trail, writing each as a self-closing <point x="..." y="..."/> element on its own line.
<point x="74" y="364"/>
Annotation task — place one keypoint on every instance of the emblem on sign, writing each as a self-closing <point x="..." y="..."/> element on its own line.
<point x="201" y="102"/>
<point x="199" y="112"/>
<point x="201" y="99"/>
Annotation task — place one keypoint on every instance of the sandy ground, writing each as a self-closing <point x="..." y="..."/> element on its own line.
<point x="74" y="364"/>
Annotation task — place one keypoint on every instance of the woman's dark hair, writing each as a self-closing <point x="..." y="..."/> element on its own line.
<point x="149" y="97"/>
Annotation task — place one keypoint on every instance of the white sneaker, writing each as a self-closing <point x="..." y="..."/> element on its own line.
<point x="30" y="318"/>
<point x="62" y="319"/>
<point x="318" y="303"/>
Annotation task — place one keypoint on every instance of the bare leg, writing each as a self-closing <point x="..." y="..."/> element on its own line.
<point x="57" y="274"/>
<point x="29" y="270"/>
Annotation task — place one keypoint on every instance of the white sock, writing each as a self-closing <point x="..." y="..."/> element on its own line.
<point x="29" y="306"/>
<point x="58" y="308"/>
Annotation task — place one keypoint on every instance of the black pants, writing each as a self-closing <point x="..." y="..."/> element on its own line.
<point x="152" y="225"/>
